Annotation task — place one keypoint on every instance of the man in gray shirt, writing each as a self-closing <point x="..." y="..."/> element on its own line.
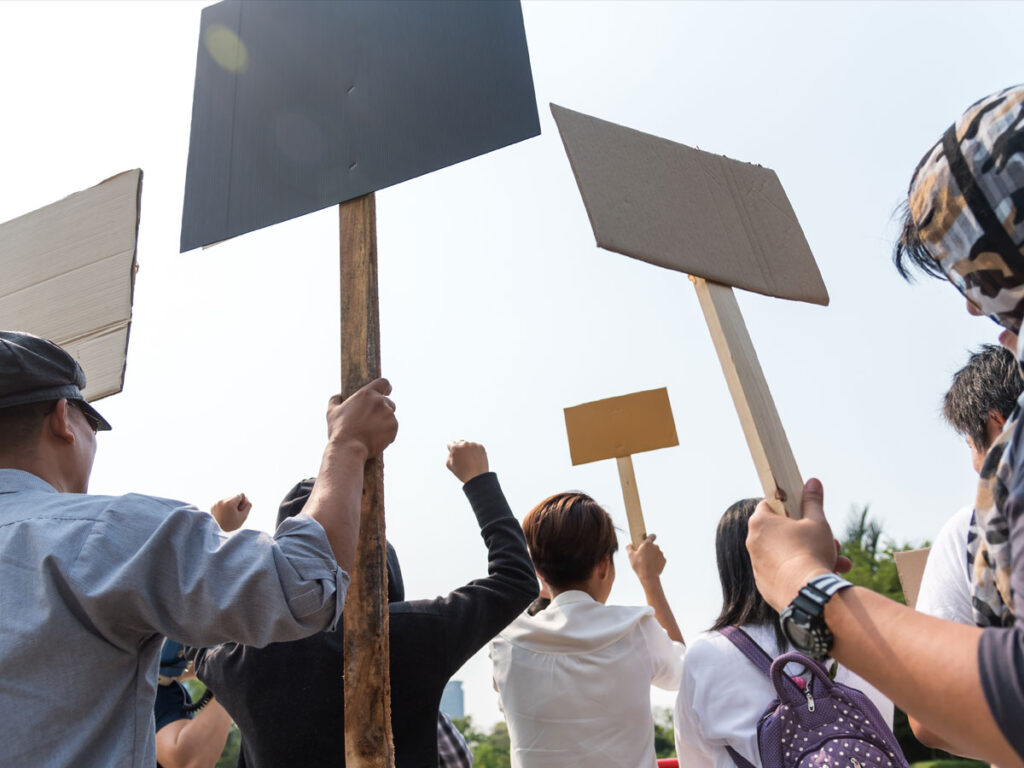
<point x="89" y="585"/>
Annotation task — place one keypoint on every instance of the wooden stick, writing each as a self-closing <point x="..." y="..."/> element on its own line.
<point x="368" y="741"/>
<point x="631" y="497"/>
<point x="769" y="447"/>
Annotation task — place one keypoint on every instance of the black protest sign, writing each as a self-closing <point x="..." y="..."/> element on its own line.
<point x="301" y="105"/>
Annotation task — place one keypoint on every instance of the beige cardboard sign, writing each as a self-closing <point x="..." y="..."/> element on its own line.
<point x="69" y="274"/>
<point x="910" y="568"/>
<point x="727" y="221"/>
<point x="620" y="426"/>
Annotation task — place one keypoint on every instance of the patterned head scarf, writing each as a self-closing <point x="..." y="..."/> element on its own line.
<point x="967" y="203"/>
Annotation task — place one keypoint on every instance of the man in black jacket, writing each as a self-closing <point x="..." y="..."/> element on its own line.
<point x="288" y="698"/>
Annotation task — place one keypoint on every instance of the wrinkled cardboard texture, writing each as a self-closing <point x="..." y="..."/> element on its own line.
<point x="299" y="104"/>
<point x="910" y="568"/>
<point x="69" y="276"/>
<point x="688" y="210"/>
<point x="620" y="426"/>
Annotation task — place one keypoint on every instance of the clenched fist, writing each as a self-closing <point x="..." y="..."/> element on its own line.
<point x="466" y="460"/>
<point x="365" y="420"/>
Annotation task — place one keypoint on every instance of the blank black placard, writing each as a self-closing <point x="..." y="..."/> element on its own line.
<point x="301" y="104"/>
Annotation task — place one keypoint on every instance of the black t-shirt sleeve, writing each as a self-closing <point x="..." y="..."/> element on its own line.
<point x="171" y="701"/>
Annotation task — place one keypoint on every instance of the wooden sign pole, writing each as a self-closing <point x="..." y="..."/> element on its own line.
<point x="368" y="741"/>
<point x="769" y="447"/>
<point x="631" y="498"/>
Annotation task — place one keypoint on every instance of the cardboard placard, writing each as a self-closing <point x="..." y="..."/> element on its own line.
<point x="302" y="104"/>
<point x="69" y="275"/>
<point x="678" y="207"/>
<point x="620" y="426"/>
<point x="910" y="568"/>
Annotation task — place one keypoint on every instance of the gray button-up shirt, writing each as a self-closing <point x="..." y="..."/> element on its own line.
<point x="89" y="585"/>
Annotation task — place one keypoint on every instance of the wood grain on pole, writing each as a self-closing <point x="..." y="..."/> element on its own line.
<point x="631" y="498"/>
<point x="769" y="446"/>
<point x="368" y="740"/>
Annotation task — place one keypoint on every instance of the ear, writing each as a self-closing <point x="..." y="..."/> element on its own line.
<point x="604" y="565"/>
<point x="995" y="417"/>
<point x="58" y="423"/>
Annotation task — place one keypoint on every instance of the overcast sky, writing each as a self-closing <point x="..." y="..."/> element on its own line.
<point x="497" y="309"/>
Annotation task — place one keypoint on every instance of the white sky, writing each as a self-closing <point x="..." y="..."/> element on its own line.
<point x="497" y="309"/>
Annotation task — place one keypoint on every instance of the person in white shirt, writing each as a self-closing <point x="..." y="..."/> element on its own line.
<point x="575" y="678"/>
<point x="980" y="399"/>
<point x="722" y="695"/>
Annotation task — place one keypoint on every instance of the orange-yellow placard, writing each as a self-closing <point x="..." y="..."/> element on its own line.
<point x="620" y="426"/>
<point x="910" y="568"/>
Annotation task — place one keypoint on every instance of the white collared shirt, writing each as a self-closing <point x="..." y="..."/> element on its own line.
<point x="575" y="683"/>
<point x="723" y="695"/>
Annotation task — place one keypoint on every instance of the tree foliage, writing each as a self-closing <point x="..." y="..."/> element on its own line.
<point x="490" y="750"/>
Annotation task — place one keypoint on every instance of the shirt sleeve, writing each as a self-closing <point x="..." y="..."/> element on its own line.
<point x="692" y="748"/>
<point x="666" y="655"/>
<point x="944" y="589"/>
<point x="148" y="566"/>
<point x="476" y="612"/>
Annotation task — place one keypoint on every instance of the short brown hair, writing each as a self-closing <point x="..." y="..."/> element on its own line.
<point x="568" y="534"/>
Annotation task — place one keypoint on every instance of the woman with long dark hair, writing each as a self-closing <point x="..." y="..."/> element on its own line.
<point x="722" y="695"/>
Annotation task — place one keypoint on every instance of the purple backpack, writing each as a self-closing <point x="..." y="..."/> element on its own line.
<point x="815" y="722"/>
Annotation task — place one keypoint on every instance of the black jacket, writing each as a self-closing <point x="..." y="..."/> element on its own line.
<point x="288" y="698"/>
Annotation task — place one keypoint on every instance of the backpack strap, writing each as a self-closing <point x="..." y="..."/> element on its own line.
<point x="737" y="758"/>
<point x="750" y="649"/>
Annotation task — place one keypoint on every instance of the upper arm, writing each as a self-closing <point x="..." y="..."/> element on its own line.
<point x="153" y="569"/>
<point x="666" y="655"/>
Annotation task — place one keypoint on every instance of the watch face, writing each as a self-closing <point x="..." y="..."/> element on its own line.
<point x="799" y="634"/>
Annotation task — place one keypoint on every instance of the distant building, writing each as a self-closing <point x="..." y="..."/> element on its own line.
<point x="452" y="702"/>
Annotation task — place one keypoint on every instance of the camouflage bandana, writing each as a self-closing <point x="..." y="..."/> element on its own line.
<point x="967" y="203"/>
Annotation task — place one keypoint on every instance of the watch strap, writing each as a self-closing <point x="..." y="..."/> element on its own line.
<point x="828" y="584"/>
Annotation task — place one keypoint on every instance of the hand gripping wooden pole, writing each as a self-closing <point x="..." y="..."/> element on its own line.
<point x="769" y="447"/>
<point x="368" y="741"/>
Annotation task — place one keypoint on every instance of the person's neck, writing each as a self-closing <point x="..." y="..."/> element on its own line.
<point x="587" y="588"/>
<point x="34" y="465"/>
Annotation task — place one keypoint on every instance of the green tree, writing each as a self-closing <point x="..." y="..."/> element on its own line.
<point x="664" y="732"/>
<point x="490" y="750"/>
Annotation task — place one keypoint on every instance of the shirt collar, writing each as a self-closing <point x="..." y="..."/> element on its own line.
<point x="571" y="596"/>
<point x="15" y="480"/>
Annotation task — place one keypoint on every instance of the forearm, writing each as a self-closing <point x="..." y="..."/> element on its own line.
<point x="928" y="667"/>
<point x="927" y="737"/>
<point x="196" y="743"/>
<point x="336" y="500"/>
<point x="656" y="598"/>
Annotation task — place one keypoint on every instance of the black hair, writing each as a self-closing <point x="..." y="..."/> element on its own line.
<point x="20" y="425"/>
<point x="991" y="381"/>
<point x="741" y="602"/>
<point x="910" y="251"/>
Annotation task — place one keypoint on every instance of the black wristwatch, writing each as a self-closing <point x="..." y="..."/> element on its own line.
<point x="803" y="621"/>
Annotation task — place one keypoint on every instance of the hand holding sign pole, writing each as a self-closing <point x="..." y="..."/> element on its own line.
<point x="300" y="105"/>
<point x="616" y="428"/>
<point x="725" y="223"/>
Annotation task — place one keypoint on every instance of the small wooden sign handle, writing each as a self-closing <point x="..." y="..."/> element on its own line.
<point x="631" y="498"/>
<point x="368" y="739"/>
<point x="769" y="447"/>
